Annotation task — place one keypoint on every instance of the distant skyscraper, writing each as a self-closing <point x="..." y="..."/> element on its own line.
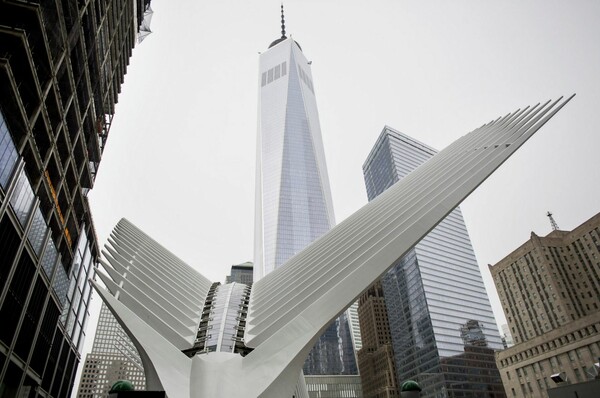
<point x="376" y="358"/>
<point x="113" y="358"/>
<point x="549" y="288"/>
<point x="293" y="199"/>
<point x="62" y="64"/>
<point x="442" y="325"/>
<point x="241" y="273"/>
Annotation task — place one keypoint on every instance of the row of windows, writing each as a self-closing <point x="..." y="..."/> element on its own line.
<point x="273" y="74"/>
<point x="541" y="373"/>
<point x="306" y="79"/>
<point x="591" y="330"/>
<point x="21" y="201"/>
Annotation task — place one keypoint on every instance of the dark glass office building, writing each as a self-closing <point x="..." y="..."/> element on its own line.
<point x="61" y="67"/>
<point x="443" y="330"/>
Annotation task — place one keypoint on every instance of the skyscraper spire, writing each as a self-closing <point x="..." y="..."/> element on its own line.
<point x="283" y="36"/>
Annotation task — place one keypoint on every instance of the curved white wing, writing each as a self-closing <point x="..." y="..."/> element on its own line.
<point x="320" y="282"/>
<point x="157" y="286"/>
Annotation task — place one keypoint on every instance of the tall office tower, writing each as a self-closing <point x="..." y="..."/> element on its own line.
<point x="61" y="68"/>
<point x="293" y="199"/>
<point x="241" y="273"/>
<point x="443" y="329"/>
<point x="549" y="288"/>
<point x="376" y="358"/>
<point x="113" y="358"/>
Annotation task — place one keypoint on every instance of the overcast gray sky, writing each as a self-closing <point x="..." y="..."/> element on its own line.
<point x="181" y="152"/>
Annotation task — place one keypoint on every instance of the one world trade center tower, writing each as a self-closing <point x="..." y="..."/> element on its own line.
<point x="293" y="199"/>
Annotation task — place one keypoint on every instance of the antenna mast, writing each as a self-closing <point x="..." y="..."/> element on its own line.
<point x="552" y="222"/>
<point x="282" y="24"/>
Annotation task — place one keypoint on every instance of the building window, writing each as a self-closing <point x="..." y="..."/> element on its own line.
<point x="8" y="153"/>
<point x="577" y="374"/>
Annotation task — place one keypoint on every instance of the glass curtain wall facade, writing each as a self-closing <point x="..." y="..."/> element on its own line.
<point x="293" y="199"/>
<point x="44" y="294"/>
<point x="61" y="67"/>
<point x="293" y="204"/>
<point x="443" y="330"/>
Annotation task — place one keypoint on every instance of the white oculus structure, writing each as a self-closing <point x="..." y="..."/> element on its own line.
<point x="181" y="324"/>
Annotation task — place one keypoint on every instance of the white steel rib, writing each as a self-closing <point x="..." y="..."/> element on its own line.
<point x="160" y="288"/>
<point x="158" y="299"/>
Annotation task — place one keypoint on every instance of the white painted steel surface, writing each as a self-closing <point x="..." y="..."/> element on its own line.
<point x="157" y="298"/>
<point x="164" y="291"/>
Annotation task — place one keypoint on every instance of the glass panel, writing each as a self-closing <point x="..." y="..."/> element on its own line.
<point x="22" y="198"/>
<point x="82" y="240"/>
<point x="87" y="258"/>
<point x="37" y="231"/>
<point x="76" y="333"/>
<point x="86" y="287"/>
<point x="72" y="284"/>
<point x="82" y="280"/>
<point x="277" y="73"/>
<point x="76" y="300"/>
<point x="70" y="323"/>
<point x="60" y="285"/>
<point x="82" y="313"/>
<point x="8" y="153"/>
<point x="81" y="341"/>
<point x="49" y="259"/>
